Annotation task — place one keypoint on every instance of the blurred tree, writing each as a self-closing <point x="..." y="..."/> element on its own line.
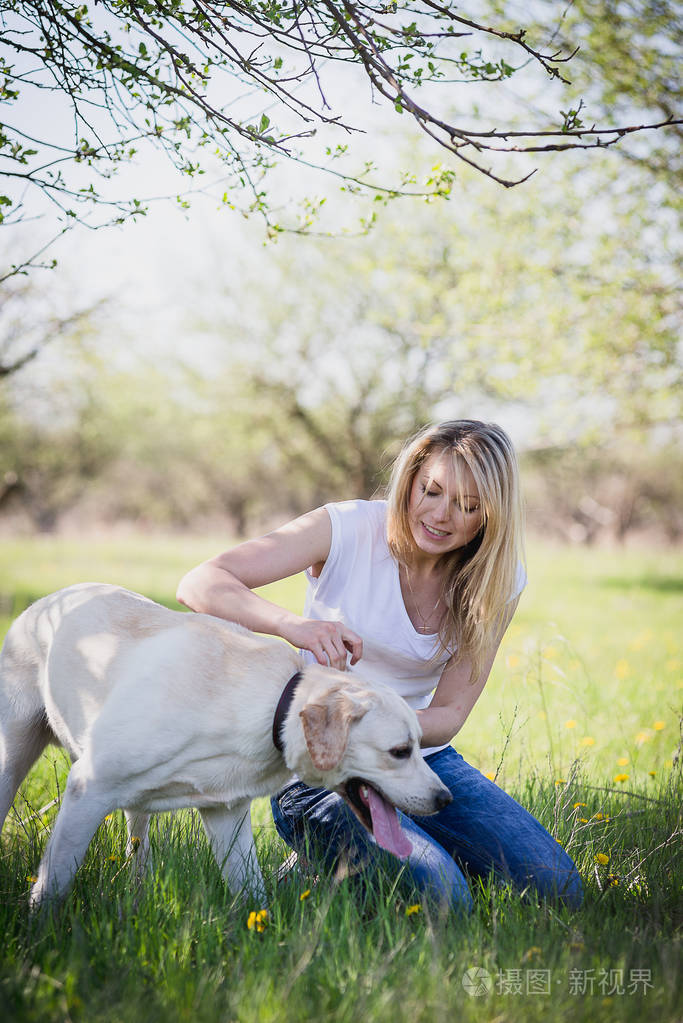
<point x="627" y="66"/>
<point x="51" y="445"/>
<point x="46" y="470"/>
<point x="615" y="489"/>
<point x="573" y="315"/>
<point x="570" y="305"/>
<point x="564" y="312"/>
<point x="341" y="353"/>
<point x="241" y="85"/>
<point x="188" y="452"/>
<point x="30" y="320"/>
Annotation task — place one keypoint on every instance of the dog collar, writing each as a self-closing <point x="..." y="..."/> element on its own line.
<point x="282" y="709"/>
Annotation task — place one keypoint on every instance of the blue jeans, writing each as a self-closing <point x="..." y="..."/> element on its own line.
<point x="482" y="831"/>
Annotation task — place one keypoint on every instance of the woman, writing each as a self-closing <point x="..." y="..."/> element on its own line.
<point x="418" y="591"/>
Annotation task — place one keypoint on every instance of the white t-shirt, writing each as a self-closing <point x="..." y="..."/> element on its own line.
<point x="359" y="585"/>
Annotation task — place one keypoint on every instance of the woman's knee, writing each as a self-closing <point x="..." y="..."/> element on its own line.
<point x="443" y="884"/>
<point x="435" y="873"/>
<point x="561" y="882"/>
<point x="320" y="827"/>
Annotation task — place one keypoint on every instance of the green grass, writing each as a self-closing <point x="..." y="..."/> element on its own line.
<point x="595" y="642"/>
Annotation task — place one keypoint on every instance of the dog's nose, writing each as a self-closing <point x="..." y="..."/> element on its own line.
<point x="442" y="799"/>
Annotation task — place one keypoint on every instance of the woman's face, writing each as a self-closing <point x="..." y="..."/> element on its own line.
<point x="442" y="515"/>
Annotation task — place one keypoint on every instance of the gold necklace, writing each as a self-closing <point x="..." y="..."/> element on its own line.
<point x="424" y="627"/>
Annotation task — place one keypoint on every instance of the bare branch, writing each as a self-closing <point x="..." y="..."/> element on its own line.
<point x="159" y="73"/>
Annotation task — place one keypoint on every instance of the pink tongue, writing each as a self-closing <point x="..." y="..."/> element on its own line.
<point x="385" y="826"/>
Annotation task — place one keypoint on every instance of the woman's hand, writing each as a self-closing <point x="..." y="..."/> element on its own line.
<point x="329" y="642"/>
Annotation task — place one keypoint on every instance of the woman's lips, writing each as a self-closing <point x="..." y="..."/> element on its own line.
<point x="436" y="534"/>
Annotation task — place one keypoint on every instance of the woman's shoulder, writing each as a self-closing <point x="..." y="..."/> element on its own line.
<point x="360" y="510"/>
<point x="358" y="519"/>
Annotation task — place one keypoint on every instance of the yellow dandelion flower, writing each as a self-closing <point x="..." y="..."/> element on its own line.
<point x="109" y="816"/>
<point x="112" y="858"/>
<point x="559" y="843"/>
<point x="490" y="775"/>
<point x="597" y="816"/>
<point x="620" y="777"/>
<point x="542" y="715"/>
<point x="134" y="841"/>
<point x="613" y="880"/>
<point x="411" y="910"/>
<point x="672" y="665"/>
<point x="653" y="774"/>
<point x="532" y="953"/>
<point x="577" y="805"/>
<point x="257" y="920"/>
<point x="622" y="761"/>
<point x="588" y="740"/>
<point x="642" y="737"/>
<point x="570" y="724"/>
<point x="622" y="669"/>
<point x="659" y="725"/>
<point x="602" y="859"/>
<point x="513" y="661"/>
<point x="304" y="895"/>
<point x="550" y="653"/>
<point x="31" y="878"/>
<point x="583" y="820"/>
<point x="560" y="781"/>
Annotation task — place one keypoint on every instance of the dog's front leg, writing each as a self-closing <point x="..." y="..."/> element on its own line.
<point x="232" y="842"/>
<point x="137" y="848"/>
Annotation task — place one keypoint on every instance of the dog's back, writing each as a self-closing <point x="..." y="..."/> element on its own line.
<point x="73" y="624"/>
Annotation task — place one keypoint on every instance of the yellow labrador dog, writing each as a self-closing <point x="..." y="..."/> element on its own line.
<point x="161" y="709"/>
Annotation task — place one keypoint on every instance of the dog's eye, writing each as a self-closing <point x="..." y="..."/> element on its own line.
<point x="401" y="752"/>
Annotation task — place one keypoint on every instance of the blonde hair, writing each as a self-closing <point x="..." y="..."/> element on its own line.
<point x="479" y="579"/>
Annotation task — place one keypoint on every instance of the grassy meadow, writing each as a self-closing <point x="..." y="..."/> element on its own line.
<point x="580" y="722"/>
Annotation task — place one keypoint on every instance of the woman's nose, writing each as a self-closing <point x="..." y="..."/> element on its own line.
<point x="443" y="510"/>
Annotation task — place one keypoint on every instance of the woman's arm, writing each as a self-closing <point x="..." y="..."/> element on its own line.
<point x="455" y="696"/>
<point x="223" y="587"/>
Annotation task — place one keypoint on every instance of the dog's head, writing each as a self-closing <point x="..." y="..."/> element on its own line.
<point x="363" y="741"/>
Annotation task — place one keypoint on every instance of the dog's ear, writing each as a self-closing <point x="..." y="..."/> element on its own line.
<point x="326" y="728"/>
